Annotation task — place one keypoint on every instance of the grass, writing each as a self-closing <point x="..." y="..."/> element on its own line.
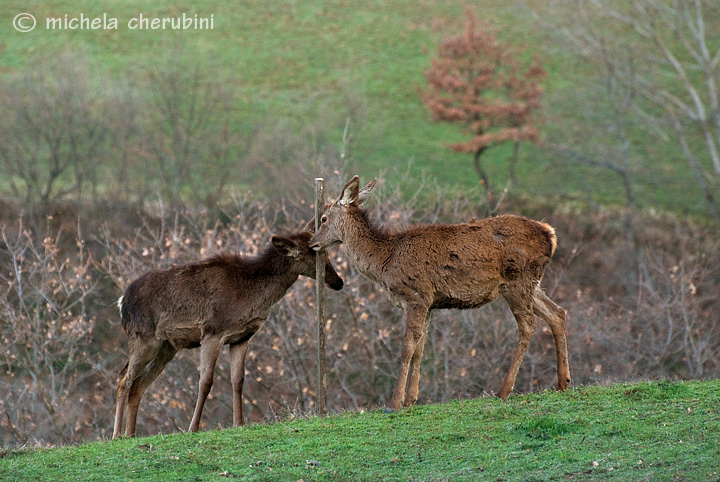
<point x="642" y="431"/>
<point x="319" y="62"/>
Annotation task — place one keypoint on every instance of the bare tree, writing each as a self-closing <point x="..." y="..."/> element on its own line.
<point x="667" y="52"/>
<point x="189" y="132"/>
<point x="610" y="149"/>
<point x="53" y="130"/>
<point x="131" y="172"/>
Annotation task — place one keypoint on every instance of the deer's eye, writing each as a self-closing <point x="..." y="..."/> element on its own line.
<point x="323" y="219"/>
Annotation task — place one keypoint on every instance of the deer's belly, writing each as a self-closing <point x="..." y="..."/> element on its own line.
<point x="243" y="331"/>
<point x="181" y="336"/>
<point x="466" y="297"/>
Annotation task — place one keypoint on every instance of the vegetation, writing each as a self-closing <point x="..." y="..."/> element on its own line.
<point x="292" y="93"/>
<point x="476" y="81"/>
<point x="124" y="150"/>
<point x="637" y="307"/>
<point x="662" y="60"/>
<point x="643" y="431"/>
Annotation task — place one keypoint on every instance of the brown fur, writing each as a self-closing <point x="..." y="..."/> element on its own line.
<point x="220" y="301"/>
<point x="450" y="266"/>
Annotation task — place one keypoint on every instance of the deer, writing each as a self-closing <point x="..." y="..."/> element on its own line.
<point x="222" y="300"/>
<point x="439" y="266"/>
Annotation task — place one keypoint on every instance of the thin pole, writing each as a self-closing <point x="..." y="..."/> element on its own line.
<point x="320" y="300"/>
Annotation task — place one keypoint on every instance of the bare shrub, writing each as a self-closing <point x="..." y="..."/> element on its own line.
<point x="642" y="307"/>
<point x="677" y="300"/>
<point x="666" y="329"/>
<point x="46" y="328"/>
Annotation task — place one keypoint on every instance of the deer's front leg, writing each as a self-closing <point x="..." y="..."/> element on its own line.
<point x="414" y="321"/>
<point x="238" y="352"/>
<point x="209" y="352"/>
<point x="413" y="388"/>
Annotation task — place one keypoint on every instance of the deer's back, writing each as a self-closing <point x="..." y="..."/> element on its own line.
<point x="466" y="265"/>
<point x="182" y="304"/>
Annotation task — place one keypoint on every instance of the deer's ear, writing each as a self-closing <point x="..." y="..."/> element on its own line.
<point x="364" y="193"/>
<point x="310" y="226"/>
<point x="285" y="246"/>
<point x="350" y="192"/>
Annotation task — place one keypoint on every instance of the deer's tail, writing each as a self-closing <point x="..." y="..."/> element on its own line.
<point x="551" y="236"/>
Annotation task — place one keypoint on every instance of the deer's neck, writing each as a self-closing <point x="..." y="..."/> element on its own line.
<point x="368" y="248"/>
<point x="275" y="273"/>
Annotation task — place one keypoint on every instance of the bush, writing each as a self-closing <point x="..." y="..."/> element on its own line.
<point x="46" y="333"/>
<point x="638" y="306"/>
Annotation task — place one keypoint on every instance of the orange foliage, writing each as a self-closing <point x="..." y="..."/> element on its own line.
<point x="477" y="82"/>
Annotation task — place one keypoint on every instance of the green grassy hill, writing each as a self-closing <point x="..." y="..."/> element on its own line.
<point x="304" y="68"/>
<point x="313" y="62"/>
<point x="643" y="431"/>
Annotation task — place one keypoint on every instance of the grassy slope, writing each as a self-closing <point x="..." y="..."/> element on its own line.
<point x="643" y="431"/>
<point x="315" y="63"/>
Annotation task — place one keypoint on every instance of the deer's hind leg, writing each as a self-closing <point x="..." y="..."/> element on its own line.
<point x="554" y="316"/>
<point x="164" y="354"/>
<point x="140" y="353"/>
<point x="521" y="305"/>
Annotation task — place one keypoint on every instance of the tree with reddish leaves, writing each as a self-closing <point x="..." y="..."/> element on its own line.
<point x="477" y="82"/>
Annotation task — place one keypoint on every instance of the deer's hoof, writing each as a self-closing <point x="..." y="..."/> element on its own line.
<point x="563" y="385"/>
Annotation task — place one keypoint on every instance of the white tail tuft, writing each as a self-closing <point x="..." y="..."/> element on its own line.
<point x="119" y="304"/>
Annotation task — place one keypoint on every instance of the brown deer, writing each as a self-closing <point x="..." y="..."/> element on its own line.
<point x="222" y="300"/>
<point x="450" y="266"/>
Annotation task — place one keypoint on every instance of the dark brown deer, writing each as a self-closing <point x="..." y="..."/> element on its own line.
<point x="450" y="266"/>
<point x="220" y="301"/>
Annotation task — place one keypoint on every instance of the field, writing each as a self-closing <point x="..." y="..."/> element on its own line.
<point x="627" y="432"/>
<point x="300" y="73"/>
<point x="128" y="149"/>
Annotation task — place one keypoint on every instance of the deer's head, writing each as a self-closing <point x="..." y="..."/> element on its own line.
<point x="296" y="248"/>
<point x="335" y="219"/>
